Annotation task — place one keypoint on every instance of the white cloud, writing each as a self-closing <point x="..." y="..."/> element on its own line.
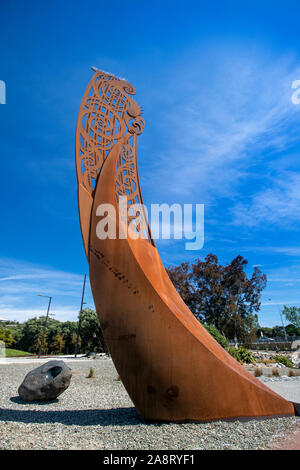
<point x="236" y="105"/>
<point x="21" y="282"/>
<point x="61" y="313"/>
<point x="279" y="204"/>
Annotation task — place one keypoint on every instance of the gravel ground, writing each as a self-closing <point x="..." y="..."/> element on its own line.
<point x="98" y="414"/>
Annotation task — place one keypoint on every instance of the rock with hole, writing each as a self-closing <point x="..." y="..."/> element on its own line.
<point x="46" y="382"/>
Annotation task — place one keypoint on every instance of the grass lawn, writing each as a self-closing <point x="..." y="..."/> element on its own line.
<point x="16" y="352"/>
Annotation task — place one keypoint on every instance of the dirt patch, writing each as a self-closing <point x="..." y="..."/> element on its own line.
<point x="290" y="441"/>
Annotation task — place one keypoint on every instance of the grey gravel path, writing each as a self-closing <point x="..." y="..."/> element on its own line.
<point x="98" y="414"/>
<point x="287" y="387"/>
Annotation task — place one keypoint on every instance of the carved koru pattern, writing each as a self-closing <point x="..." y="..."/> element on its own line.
<point x="107" y="114"/>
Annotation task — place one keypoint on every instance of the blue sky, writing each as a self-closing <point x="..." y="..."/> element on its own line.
<point x="215" y="82"/>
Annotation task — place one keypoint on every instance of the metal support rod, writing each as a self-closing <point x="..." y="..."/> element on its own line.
<point x="78" y="329"/>
<point x="45" y="326"/>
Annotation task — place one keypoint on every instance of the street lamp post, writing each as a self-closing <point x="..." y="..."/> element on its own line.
<point x="45" y="324"/>
<point x="78" y="329"/>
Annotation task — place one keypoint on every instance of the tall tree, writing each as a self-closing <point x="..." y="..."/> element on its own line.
<point x="6" y="337"/>
<point x="31" y="333"/>
<point x="69" y="331"/>
<point x="90" y="332"/>
<point x="222" y="296"/>
<point x="292" y="330"/>
<point x="57" y="345"/>
<point x="292" y="314"/>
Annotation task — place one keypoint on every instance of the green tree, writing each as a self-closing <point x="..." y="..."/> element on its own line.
<point x="90" y="332"/>
<point x="7" y="337"/>
<point x="222" y="296"/>
<point x="69" y="333"/>
<point x="292" y="330"/>
<point x="292" y="314"/>
<point x="57" y="345"/>
<point x="35" y="348"/>
<point x="32" y="332"/>
<point x="265" y="331"/>
<point x="17" y="333"/>
<point x="278" y="331"/>
<point x="60" y="337"/>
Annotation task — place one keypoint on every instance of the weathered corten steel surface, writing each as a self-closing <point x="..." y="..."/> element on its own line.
<point x="171" y="367"/>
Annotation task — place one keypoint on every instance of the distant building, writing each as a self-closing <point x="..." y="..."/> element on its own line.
<point x="3" y="320"/>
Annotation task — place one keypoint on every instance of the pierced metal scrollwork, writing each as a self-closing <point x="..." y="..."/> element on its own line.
<point x="109" y="113"/>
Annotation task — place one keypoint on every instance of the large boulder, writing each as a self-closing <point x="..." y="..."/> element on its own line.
<point x="46" y="382"/>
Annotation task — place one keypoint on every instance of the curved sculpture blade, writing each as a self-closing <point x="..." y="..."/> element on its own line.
<point x="171" y="367"/>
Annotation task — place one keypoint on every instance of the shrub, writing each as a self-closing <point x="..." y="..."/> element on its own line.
<point x="257" y="372"/>
<point x="214" y="332"/>
<point x="246" y="356"/>
<point x="233" y="352"/>
<point x="284" y="360"/>
<point x="275" y="372"/>
<point x="241" y="354"/>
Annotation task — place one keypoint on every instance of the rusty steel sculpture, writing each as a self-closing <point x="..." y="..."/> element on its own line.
<point x="171" y="367"/>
